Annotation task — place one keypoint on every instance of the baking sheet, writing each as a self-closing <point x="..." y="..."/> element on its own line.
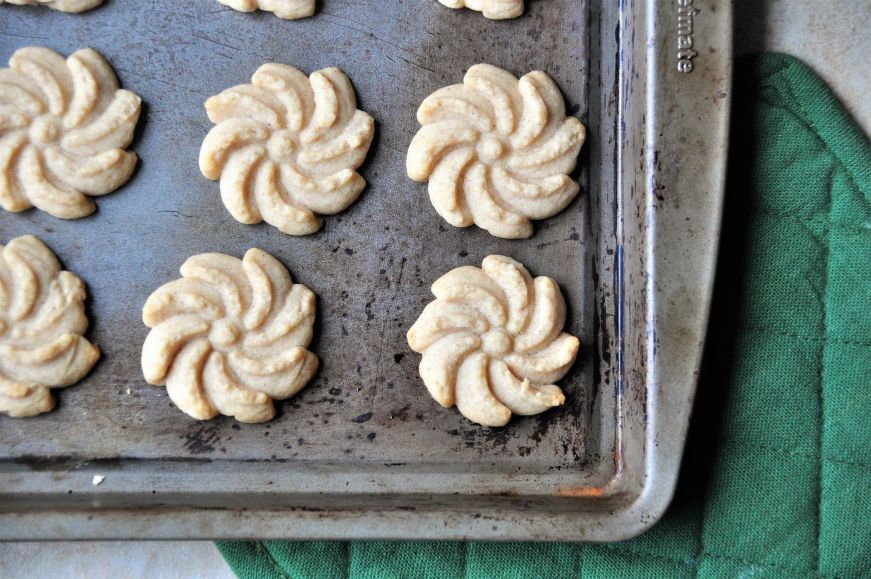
<point x="635" y="256"/>
<point x="371" y="266"/>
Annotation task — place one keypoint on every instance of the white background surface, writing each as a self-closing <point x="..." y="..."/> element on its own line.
<point x="832" y="37"/>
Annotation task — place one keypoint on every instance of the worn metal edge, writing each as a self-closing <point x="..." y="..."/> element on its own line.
<point x="687" y="107"/>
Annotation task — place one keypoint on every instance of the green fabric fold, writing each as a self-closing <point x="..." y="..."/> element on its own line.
<point x="776" y="480"/>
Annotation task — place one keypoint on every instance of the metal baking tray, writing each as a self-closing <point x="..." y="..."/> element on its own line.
<point x="363" y="451"/>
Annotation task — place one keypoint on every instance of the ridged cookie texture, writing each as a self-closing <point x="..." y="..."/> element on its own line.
<point x="287" y="9"/>
<point x="497" y="152"/>
<point x="64" y="128"/>
<point x="493" y="9"/>
<point x="492" y="342"/>
<point x="42" y="319"/>
<point x="62" y="5"/>
<point x="230" y="336"/>
<point x="286" y="147"/>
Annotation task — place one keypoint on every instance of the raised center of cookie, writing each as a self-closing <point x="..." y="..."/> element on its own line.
<point x="45" y="129"/>
<point x="224" y="334"/>
<point x="281" y="145"/>
<point x="497" y="342"/>
<point x="490" y="150"/>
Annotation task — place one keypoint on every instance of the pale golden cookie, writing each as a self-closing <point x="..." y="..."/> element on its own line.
<point x="287" y="9"/>
<point x="286" y="147"/>
<point x="497" y="152"/>
<point x="230" y="336"/>
<point x="62" y="5"/>
<point x="493" y="9"/>
<point x="42" y="319"/>
<point x="64" y="125"/>
<point x="492" y="342"/>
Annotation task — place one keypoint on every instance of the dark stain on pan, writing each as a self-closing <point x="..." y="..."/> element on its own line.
<point x="202" y="440"/>
<point x="401" y="414"/>
<point x="542" y="425"/>
<point x="362" y="418"/>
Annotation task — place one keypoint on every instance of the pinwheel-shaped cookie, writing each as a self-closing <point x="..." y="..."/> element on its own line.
<point x="62" y="5"/>
<point x="494" y="9"/>
<point x="42" y="319"/>
<point x="64" y="125"/>
<point x="497" y="151"/>
<point x="288" y="9"/>
<point x="492" y="342"/>
<point x="230" y="336"/>
<point x="286" y="147"/>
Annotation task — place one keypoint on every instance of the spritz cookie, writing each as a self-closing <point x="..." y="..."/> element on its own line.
<point x="287" y="9"/>
<point x="230" y="336"/>
<point x="286" y="147"/>
<point x="497" y="152"/>
<point x="64" y="128"/>
<point x="492" y="342"/>
<point x="493" y="9"/>
<point x="62" y="5"/>
<point x="42" y="319"/>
